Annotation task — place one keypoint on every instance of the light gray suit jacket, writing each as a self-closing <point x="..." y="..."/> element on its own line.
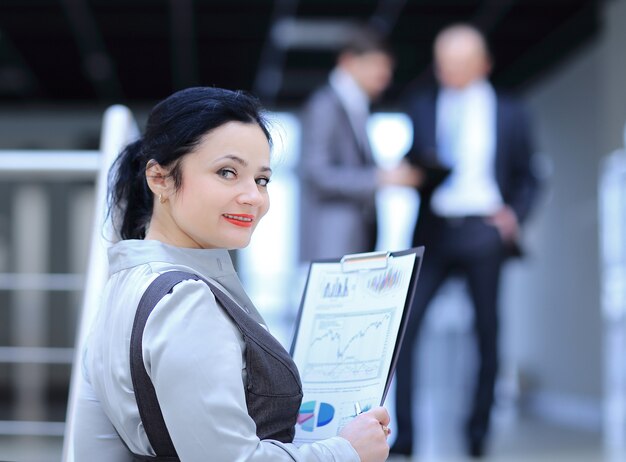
<point x="338" y="182"/>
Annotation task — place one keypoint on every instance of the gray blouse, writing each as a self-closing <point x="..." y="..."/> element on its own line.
<point x="187" y="336"/>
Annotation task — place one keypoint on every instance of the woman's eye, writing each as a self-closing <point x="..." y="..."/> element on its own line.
<point x="227" y="173"/>
<point x="263" y="181"/>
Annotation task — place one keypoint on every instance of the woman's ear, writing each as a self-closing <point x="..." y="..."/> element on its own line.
<point x="158" y="179"/>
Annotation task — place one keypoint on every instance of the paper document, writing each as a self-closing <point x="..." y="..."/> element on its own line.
<point x="350" y="325"/>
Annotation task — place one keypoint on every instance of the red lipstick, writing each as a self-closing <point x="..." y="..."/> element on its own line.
<point x="239" y="219"/>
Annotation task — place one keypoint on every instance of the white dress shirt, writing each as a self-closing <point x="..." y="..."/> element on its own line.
<point x="195" y="357"/>
<point x="471" y="188"/>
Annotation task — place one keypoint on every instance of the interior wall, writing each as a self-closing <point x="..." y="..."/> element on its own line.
<point x="553" y="314"/>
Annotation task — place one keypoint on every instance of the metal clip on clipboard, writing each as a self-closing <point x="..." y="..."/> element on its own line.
<point x="365" y="261"/>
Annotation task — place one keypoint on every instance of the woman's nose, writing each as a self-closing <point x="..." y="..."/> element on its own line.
<point x="251" y="194"/>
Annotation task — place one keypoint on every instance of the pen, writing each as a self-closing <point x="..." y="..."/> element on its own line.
<point x="358" y="410"/>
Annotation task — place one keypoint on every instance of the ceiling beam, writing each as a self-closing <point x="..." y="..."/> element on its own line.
<point x="184" y="45"/>
<point x="565" y="37"/>
<point x="16" y="77"/>
<point x="97" y="64"/>
<point x="386" y="15"/>
<point x="491" y="13"/>
<point x="269" y="75"/>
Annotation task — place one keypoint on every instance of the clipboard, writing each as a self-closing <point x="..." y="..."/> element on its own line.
<point x="349" y="330"/>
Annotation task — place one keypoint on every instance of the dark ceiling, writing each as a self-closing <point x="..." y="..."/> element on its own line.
<point x="136" y="51"/>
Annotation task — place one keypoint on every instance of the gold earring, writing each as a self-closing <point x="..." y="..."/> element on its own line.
<point x="161" y="200"/>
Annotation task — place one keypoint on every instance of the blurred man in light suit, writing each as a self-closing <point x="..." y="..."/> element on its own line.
<point x="339" y="177"/>
<point x="470" y="222"/>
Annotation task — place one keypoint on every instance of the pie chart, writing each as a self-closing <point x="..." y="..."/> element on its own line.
<point x="309" y="420"/>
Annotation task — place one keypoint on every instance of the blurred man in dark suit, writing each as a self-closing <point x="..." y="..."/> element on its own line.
<point x="339" y="177"/>
<point x="470" y="221"/>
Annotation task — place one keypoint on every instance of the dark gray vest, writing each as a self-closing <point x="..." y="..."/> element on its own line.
<point x="273" y="387"/>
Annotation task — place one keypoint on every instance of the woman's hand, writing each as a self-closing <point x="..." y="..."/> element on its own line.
<point x="367" y="434"/>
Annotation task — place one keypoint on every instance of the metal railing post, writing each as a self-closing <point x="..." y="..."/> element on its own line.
<point x="119" y="128"/>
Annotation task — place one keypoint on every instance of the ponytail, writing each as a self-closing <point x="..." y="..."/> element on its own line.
<point x="131" y="199"/>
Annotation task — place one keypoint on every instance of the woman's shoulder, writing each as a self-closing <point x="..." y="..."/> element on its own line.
<point x="128" y="288"/>
<point x="177" y="286"/>
<point x="181" y="301"/>
<point x="188" y="316"/>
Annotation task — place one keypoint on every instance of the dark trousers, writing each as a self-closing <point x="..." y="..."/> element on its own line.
<point x="473" y="249"/>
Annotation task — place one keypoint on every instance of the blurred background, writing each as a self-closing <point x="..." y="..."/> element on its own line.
<point x="562" y="391"/>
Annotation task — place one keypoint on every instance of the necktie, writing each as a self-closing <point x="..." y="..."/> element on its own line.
<point x="360" y="128"/>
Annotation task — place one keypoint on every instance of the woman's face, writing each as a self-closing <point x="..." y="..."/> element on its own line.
<point x="223" y="195"/>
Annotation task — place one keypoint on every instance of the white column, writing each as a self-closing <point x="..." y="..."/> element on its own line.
<point x="81" y="217"/>
<point x="30" y="227"/>
<point x="612" y="221"/>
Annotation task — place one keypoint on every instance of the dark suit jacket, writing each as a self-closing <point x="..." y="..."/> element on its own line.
<point x="338" y="182"/>
<point x="514" y="174"/>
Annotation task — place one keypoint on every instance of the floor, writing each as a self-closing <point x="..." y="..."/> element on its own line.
<point x="525" y="440"/>
<point x="529" y="441"/>
<point x="447" y="360"/>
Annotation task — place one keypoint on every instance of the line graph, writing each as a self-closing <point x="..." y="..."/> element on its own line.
<point x="347" y="348"/>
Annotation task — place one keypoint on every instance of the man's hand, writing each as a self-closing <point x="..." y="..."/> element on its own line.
<point x="506" y="223"/>
<point x="401" y="175"/>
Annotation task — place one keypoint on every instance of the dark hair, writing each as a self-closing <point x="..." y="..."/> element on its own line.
<point x="175" y="127"/>
<point x="364" y="39"/>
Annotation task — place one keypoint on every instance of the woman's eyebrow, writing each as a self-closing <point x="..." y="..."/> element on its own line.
<point x="237" y="159"/>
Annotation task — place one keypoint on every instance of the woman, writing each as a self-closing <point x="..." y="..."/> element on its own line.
<point x="192" y="187"/>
